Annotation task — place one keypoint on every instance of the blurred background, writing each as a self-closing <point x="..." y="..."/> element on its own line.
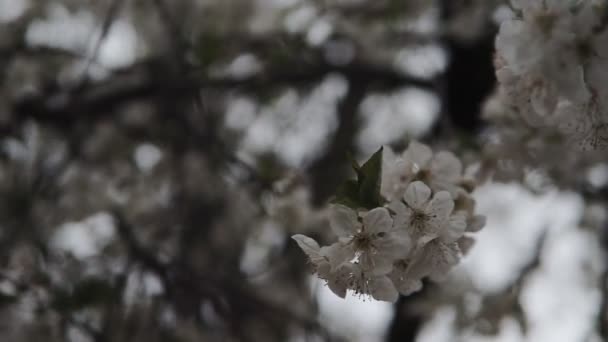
<point x="156" y="156"/>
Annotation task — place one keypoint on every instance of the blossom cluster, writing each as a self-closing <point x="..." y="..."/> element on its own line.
<point x="418" y="229"/>
<point x="551" y="62"/>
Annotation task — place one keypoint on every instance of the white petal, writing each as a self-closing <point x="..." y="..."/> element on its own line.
<point x="343" y="220"/>
<point x="376" y="264"/>
<point x="442" y="204"/>
<point x="402" y="215"/>
<point x="419" y="154"/>
<point x="417" y="195"/>
<point x="431" y="234"/>
<point x="324" y="270"/>
<point x="395" y="245"/>
<point x="408" y="286"/>
<point x="338" y="254"/>
<point x="397" y="207"/>
<point x="377" y="220"/>
<point x="446" y="166"/>
<point x="476" y="223"/>
<point x="395" y="174"/>
<point x="308" y="245"/>
<point x="337" y="283"/>
<point x="436" y="258"/>
<point x="456" y="227"/>
<point x="382" y="288"/>
<point x="465" y="244"/>
<point x="338" y="288"/>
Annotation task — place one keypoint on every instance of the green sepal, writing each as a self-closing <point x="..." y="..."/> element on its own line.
<point x="369" y="181"/>
<point x="364" y="192"/>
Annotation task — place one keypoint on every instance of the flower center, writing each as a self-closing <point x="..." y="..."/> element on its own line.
<point x="359" y="282"/>
<point x="419" y="217"/>
<point x="419" y="220"/>
<point x="363" y="241"/>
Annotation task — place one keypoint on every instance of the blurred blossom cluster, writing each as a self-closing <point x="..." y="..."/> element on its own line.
<point x="551" y="63"/>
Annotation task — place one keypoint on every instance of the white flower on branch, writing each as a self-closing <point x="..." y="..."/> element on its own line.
<point x="559" y="84"/>
<point x="374" y="241"/>
<point x="419" y="227"/>
<point x="422" y="216"/>
<point x="442" y="171"/>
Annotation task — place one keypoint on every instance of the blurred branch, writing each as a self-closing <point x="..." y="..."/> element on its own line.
<point x="95" y="334"/>
<point x="109" y="19"/>
<point x="324" y="172"/>
<point x="137" y="251"/>
<point x="231" y="297"/>
<point x="152" y="78"/>
<point x="602" y="319"/>
<point x="507" y="301"/>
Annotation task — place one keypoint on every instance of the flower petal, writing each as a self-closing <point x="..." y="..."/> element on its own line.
<point x="395" y="245"/>
<point x="397" y="207"/>
<point x="377" y="220"/>
<point x="465" y="244"/>
<point x="417" y="195"/>
<point x="436" y="258"/>
<point x="408" y="286"/>
<point x="476" y="223"/>
<point x="455" y="228"/>
<point x="382" y="288"/>
<point x="395" y="173"/>
<point x="446" y="166"/>
<point x="343" y="220"/>
<point x="338" y="281"/>
<point x="419" y="154"/>
<point x="338" y="254"/>
<point x="442" y="204"/>
<point x="336" y="287"/>
<point x="402" y="215"/>
<point x="376" y="264"/>
<point x="308" y="245"/>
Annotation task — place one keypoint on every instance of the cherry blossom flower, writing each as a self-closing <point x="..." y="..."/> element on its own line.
<point x="434" y="260"/>
<point x="557" y="86"/>
<point x="374" y="242"/>
<point x="373" y="282"/>
<point x="422" y="216"/>
<point x="404" y="283"/>
<point x="337" y="280"/>
<point x="420" y="230"/>
<point x="440" y="171"/>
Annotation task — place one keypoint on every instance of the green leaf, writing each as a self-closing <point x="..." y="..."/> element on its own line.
<point x="6" y="299"/>
<point x="354" y="164"/>
<point x="369" y="185"/>
<point x="364" y="192"/>
<point x="209" y="48"/>
<point x="89" y="292"/>
<point x="348" y="194"/>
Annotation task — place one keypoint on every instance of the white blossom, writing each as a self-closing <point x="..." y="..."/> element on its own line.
<point x="404" y="282"/>
<point x="435" y="259"/>
<point x="373" y="241"/>
<point x="421" y="231"/>
<point x="558" y="84"/>
<point x="422" y="216"/>
<point x="373" y="281"/>
<point x="440" y="171"/>
<point x="336" y="280"/>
